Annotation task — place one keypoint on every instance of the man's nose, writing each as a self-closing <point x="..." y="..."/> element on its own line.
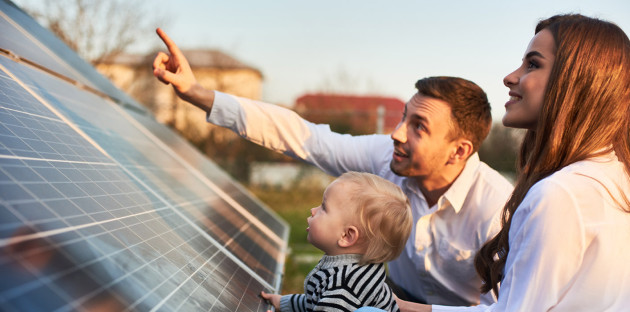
<point x="399" y="133"/>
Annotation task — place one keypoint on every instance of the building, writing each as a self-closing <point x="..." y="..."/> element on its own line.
<point x="351" y="114"/>
<point x="213" y="69"/>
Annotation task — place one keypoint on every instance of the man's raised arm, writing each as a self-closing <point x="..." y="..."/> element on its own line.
<point x="173" y="68"/>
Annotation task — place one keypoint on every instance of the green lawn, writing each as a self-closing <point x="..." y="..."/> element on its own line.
<point x="294" y="206"/>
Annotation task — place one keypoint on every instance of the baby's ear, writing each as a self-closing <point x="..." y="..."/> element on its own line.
<point x="349" y="237"/>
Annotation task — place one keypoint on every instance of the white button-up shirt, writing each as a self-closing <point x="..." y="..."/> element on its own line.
<point x="437" y="262"/>
<point x="569" y="243"/>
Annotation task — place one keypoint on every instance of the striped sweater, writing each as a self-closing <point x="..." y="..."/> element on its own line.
<point x="339" y="283"/>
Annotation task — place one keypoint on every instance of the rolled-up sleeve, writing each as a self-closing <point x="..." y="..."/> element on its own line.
<point x="284" y="131"/>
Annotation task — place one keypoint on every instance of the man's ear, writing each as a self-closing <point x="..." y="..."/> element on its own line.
<point x="349" y="237"/>
<point x="463" y="148"/>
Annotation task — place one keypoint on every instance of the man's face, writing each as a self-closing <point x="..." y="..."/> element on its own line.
<point x="422" y="142"/>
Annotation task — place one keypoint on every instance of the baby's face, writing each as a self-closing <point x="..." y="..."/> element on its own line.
<point x="329" y="220"/>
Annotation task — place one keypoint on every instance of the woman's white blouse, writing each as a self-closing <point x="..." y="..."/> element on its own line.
<point x="569" y="243"/>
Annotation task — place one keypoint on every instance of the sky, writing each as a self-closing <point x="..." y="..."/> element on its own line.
<point x="369" y="47"/>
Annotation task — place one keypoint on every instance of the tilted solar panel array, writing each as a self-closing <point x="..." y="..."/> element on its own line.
<point x="101" y="207"/>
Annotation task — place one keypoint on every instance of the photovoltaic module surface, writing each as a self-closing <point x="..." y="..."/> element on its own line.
<point x="101" y="207"/>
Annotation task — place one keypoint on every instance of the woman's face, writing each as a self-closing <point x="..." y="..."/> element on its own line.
<point x="528" y="82"/>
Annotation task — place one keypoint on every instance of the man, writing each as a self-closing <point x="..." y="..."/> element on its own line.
<point x="456" y="199"/>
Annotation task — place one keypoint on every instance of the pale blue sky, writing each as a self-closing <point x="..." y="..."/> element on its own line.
<point x="371" y="47"/>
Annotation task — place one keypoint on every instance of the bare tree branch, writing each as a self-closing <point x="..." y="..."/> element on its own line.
<point x="96" y="29"/>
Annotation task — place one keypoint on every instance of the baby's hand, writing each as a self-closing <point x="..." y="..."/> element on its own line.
<point x="272" y="298"/>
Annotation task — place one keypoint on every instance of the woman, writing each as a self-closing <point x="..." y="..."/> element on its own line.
<point x="566" y="228"/>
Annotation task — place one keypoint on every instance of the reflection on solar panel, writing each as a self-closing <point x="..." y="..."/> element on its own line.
<point x="101" y="207"/>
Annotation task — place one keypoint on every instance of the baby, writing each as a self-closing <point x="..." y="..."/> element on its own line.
<point x="363" y="222"/>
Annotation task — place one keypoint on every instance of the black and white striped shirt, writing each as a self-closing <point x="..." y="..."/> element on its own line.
<point x="339" y="283"/>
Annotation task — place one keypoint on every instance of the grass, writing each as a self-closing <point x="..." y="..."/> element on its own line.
<point x="294" y="206"/>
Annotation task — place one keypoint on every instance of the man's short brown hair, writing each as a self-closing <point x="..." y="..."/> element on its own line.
<point x="469" y="104"/>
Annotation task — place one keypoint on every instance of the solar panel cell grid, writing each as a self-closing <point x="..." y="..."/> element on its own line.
<point x="97" y="210"/>
<point x="212" y="172"/>
<point x="130" y="147"/>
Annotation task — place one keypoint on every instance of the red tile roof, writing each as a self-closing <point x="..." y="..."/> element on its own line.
<point x="359" y="111"/>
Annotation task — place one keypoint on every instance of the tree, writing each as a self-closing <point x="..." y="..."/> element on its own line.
<point x="500" y="148"/>
<point x="95" y="29"/>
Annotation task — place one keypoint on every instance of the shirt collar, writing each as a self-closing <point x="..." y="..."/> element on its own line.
<point x="327" y="262"/>
<point x="457" y="193"/>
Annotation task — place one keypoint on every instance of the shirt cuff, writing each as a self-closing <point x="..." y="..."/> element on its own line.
<point x="224" y="110"/>
<point x="285" y="303"/>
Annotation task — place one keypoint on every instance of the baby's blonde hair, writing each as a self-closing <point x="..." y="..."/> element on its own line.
<point x="384" y="215"/>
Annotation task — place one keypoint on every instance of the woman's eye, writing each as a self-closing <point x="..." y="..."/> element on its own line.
<point x="532" y="65"/>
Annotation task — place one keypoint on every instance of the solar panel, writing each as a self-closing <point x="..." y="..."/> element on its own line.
<point x="24" y="38"/>
<point x="103" y="207"/>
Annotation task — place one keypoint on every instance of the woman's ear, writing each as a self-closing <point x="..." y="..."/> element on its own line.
<point x="349" y="237"/>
